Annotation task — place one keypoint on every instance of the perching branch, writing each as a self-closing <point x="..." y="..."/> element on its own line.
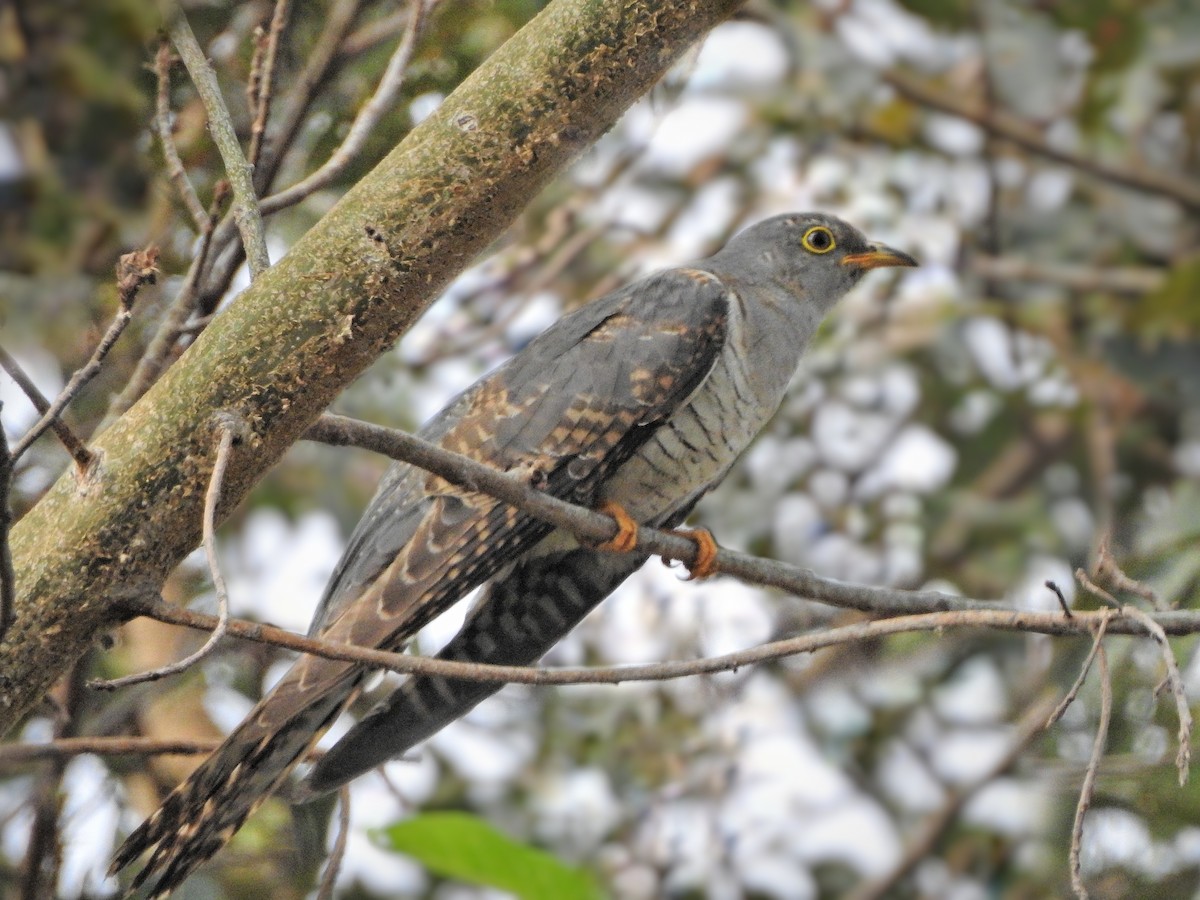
<point x="166" y="139"/>
<point x="596" y="527"/>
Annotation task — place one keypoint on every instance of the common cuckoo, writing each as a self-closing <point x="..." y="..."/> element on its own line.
<point x="638" y="402"/>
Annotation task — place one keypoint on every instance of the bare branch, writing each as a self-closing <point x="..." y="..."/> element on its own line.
<point x="240" y="172"/>
<point x="8" y="578"/>
<point x="261" y="85"/>
<point x="43" y="855"/>
<point x="166" y="137"/>
<point x="1070" y="696"/>
<point x="1058" y="594"/>
<point x="1184" y="756"/>
<point x="229" y="429"/>
<point x="1095" y="590"/>
<point x="1107" y="568"/>
<point x="334" y="864"/>
<point x="320" y="63"/>
<point x="173" y="324"/>
<point x="1173" y="186"/>
<point x="68" y="438"/>
<point x="133" y="270"/>
<point x="373" y="33"/>
<point x="1009" y="620"/>
<point x="366" y="120"/>
<point x="13" y="754"/>
<point x="1088" y="789"/>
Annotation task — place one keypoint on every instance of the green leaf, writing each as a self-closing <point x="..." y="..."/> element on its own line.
<point x="466" y="848"/>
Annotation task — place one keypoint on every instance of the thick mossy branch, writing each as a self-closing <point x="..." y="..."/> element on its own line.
<point x="314" y="321"/>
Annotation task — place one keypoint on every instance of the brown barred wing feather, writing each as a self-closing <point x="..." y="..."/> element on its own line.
<point x="573" y="405"/>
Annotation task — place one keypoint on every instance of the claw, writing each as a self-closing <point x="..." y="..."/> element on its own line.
<point x="626" y="537"/>
<point x="704" y="565"/>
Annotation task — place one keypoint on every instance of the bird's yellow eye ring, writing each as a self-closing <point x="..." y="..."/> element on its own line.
<point x="818" y="239"/>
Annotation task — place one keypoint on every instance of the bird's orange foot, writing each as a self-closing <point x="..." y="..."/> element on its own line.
<point x="705" y="563"/>
<point x="626" y="537"/>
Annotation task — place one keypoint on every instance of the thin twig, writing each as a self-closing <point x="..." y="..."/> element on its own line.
<point x="320" y="63"/>
<point x="240" y="172"/>
<point x="260" y="87"/>
<point x="1183" y="757"/>
<point x="227" y="252"/>
<point x="8" y="577"/>
<point x="1174" y="186"/>
<point x="1087" y="791"/>
<point x="364" y="123"/>
<point x="1070" y="696"/>
<point x="404" y="664"/>
<point x="1156" y="631"/>
<point x="173" y="324"/>
<point x="1095" y="590"/>
<point x="1107" y="568"/>
<point x="334" y="864"/>
<point x="1062" y="601"/>
<point x="1100" y="443"/>
<point x="133" y="271"/>
<point x="931" y="830"/>
<point x="1127" y="280"/>
<point x="81" y="454"/>
<point x="43" y="856"/>
<point x="372" y="33"/>
<point x="166" y="137"/>
<point x="12" y="754"/>
<point x="597" y="527"/>
<point x="228" y="430"/>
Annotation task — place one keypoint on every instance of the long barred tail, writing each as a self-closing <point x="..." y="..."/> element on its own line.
<point x="203" y="813"/>
<point x="521" y="617"/>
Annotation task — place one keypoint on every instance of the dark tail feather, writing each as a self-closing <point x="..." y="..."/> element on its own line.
<point x="522" y="616"/>
<point x="203" y="813"/>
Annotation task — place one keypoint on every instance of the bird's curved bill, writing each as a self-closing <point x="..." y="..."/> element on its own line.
<point x="878" y="257"/>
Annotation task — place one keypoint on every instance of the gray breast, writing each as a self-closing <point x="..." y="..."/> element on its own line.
<point x="694" y="449"/>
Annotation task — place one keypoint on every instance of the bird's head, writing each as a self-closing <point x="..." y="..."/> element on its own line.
<point x="813" y="255"/>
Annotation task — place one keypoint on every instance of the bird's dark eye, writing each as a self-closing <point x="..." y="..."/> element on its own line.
<point x="818" y="239"/>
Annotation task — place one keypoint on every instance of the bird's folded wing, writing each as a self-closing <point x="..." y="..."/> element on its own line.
<point x="566" y="412"/>
<point x="572" y="406"/>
